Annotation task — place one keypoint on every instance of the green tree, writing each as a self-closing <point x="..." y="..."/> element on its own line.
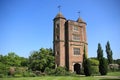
<point x="117" y="61"/>
<point x="87" y="67"/>
<point x="109" y="53"/>
<point x="102" y="62"/>
<point x="12" y="59"/>
<point x="24" y="61"/>
<point x="84" y="57"/>
<point x="103" y="68"/>
<point x="99" y="52"/>
<point x="86" y="64"/>
<point x="84" y="54"/>
<point x="39" y="60"/>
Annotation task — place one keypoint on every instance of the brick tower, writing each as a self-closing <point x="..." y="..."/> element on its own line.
<point x="68" y="43"/>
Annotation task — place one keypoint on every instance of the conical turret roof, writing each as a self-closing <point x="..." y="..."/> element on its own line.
<point x="59" y="15"/>
<point x="79" y="20"/>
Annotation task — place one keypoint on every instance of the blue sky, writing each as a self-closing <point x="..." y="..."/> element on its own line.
<point x="27" y="25"/>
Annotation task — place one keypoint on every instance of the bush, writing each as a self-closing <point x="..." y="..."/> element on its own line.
<point x="19" y="71"/>
<point x="11" y="71"/>
<point x="38" y="73"/>
<point x="103" y="68"/>
<point x="1" y="75"/>
<point x="26" y="74"/>
<point x="87" y="67"/>
<point x="32" y="75"/>
<point x="82" y="71"/>
<point x="95" y="70"/>
<point x="60" y="71"/>
<point x="94" y="62"/>
<point x="94" y="66"/>
<point x="18" y="75"/>
<point x="29" y="74"/>
<point x="4" y="69"/>
<point x="49" y="71"/>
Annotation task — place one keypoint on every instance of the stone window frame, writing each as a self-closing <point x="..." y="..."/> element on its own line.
<point x="76" y="51"/>
<point x="57" y="25"/>
<point x="57" y="53"/>
<point x="75" y="37"/>
<point x="57" y="37"/>
<point x="57" y="28"/>
<point x="75" y="28"/>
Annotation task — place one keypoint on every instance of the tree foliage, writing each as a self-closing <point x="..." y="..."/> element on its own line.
<point x="102" y="62"/>
<point x="103" y="67"/>
<point x="87" y="67"/>
<point x="117" y="61"/>
<point x="41" y="59"/>
<point x="86" y="64"/>
<point x="84" y="55"/>
<point x="94" y="66"/>
<point x="109" y="53"/>
<point x="99" y="52"/>
<point x="94" y="62"/>
<point x="11" y="59"/>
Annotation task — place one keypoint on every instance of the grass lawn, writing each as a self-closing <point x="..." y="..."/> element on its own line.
<point x="68" y="77"/>
<point x="53" y="78"/>
<point x="113" y="74"/>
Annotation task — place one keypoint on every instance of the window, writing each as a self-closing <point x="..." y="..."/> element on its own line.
<point x="57" y="37"/>
<point x="57" y="65"/>
<point x="57" y="26"/>
<point x="76" y="37"/>
<point x="57" y="52"/>
<point x="76" y="51"/>
<point x="57" y="29"/>
<point x="75" y="28"/>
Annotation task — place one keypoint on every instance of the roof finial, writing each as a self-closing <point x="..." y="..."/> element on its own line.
<point x="79" y="14"/>
<point x="59" y="8"/>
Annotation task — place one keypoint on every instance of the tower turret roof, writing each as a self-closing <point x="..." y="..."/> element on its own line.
<point x="59" y="15"/>
<point x="80" y="20"/>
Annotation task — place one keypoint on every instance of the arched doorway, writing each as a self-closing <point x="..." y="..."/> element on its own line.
<point x="77" y="68"/>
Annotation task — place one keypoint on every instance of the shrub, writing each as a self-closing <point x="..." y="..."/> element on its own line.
<point x="94" y="66"/>
<point x="11" y="71"/>
<point x="32" y="74"/>
<point x="87" y="67"/>
<point x="18" y="75"/>
<point x="94" y="62"/>
<point x="82" y="71"/>
<point x="29" y="74"/>
<point x="26" y="74"/>
<point x="60" y="71"/>
<point x="95" y="70"/>
<point x="49" y="71"/>
<point x="103" y="66"/>
<point x="4" y="69"/>
<point x="38" y="73"/>
<point x="1" y="75"/>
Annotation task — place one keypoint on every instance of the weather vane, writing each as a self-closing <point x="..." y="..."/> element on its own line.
<point x="79" y="14"/>
<point x="59" y="7"/>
